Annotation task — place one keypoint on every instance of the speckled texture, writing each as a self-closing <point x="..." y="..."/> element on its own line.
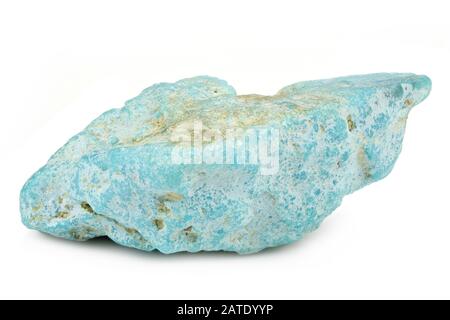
<point x="117" y="177"/>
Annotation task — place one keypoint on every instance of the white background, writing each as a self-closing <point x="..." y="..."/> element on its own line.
<point x="62" y="63"/>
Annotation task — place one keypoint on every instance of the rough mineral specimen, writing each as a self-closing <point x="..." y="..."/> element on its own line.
<point x="192" y="166"/>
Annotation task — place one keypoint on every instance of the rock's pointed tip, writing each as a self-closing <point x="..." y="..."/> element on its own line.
<point x="425" y="84"/>
<point x="421" y="88"/>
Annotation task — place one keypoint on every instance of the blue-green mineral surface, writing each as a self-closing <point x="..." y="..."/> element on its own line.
<point x="191" y="166"/>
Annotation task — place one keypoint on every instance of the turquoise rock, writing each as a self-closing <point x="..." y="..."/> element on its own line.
<point x="191" y="166"/>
